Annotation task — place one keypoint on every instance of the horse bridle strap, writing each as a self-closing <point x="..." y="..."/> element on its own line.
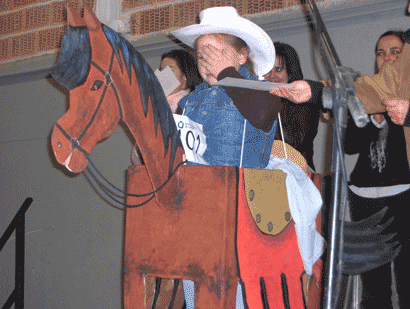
<point x="75" y="142"/>
<point x="108" y="82"/>
<point x="110" y="194"/>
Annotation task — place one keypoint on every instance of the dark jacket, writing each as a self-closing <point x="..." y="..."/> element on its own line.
<point x="377" y="166"/>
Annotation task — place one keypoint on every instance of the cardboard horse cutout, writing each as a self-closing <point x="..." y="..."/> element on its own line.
<point x="196" y="225"/>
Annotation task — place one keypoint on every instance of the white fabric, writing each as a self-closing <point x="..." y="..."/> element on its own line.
<point x="227" y="20"/>
<point x="376" y="192"/>
<point x="192" y="137"/>
<point x="305" y="202"/>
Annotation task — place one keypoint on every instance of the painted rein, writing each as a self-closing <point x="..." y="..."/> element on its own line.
<point x="75" y="142"/>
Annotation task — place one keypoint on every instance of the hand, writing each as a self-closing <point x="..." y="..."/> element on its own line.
<point x="378" y="118"/>
<point x="397" y="109"/>
<point x="214" y="60"/>
<point x="300" y="92"/>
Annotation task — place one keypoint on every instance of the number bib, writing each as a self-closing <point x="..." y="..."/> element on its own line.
<point x="192" y="138"/>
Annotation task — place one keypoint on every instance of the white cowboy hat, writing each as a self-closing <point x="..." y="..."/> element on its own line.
<point x="227" y="20"/>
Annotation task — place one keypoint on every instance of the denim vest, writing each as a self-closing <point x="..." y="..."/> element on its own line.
<point x="224" y="127"/>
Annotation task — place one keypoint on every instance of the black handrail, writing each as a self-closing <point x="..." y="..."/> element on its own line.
<point x="18" y="224"/>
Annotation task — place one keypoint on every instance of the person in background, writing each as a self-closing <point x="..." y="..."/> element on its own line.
<point x="299" y="122"/>
<point x="185" y="69"/>
<point x="381" y="178"/>
<point x="387" y="91"/>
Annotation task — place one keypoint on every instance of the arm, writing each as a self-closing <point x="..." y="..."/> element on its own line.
<point x="303" y="91"/>
<point x="317" y="91"/>
<point x="357" y="139"/>
<point x="260" y="108"/>
<point x="300" y="123"/>
<point x="353" y="137"/>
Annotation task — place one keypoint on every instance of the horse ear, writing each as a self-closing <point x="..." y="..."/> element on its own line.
<point x="73" y="18"/>
<point x="91" y="20"/>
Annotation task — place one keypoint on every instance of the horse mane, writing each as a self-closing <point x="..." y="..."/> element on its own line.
<point x="149" y="88"/>
<point x="73" y="66"/>
<point x="73" y="63"/>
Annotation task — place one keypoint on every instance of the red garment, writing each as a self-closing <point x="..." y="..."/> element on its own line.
<point x="260" y="254"/>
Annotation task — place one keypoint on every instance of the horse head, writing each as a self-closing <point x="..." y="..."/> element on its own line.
<point x="91" y="65"/>
<point x="82" y="69"/>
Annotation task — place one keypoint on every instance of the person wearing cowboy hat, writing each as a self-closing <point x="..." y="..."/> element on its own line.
<point x="239" y="124"/>
<point x="228" y="45"/>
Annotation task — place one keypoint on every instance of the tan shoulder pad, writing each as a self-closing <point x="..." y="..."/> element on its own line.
<point x="267" y="199"/>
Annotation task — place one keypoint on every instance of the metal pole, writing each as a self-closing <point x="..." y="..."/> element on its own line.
<point x="342" y="96"/>
<point x="356" y="288"/>
<point x="19" y="268"/>
<point x="337" y="211"/>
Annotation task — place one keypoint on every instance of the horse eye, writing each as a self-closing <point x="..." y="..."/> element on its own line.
<point x="97" y="85"/>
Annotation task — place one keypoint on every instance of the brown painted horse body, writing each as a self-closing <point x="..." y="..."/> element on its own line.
<point x="190" y="229"/>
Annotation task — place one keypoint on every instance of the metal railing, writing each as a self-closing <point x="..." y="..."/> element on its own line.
<point x="18" y="225"/>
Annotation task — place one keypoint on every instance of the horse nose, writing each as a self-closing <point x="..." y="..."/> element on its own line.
<point x="60" y="145"/>
<point x="67" y="155"/>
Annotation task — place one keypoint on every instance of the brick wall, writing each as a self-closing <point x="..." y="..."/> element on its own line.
<point x="149" y="20"/>
<point x="31" y="27"/>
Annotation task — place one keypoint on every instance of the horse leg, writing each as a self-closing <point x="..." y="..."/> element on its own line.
<point x="134" y="292"/>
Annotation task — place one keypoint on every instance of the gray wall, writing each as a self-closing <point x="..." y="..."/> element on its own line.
<point x="74" y="236"/>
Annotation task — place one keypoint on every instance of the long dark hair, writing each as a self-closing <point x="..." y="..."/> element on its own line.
<point x="188" y="66"/>
<point x="397" y="33"/>
<point x="291" y="60"/>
